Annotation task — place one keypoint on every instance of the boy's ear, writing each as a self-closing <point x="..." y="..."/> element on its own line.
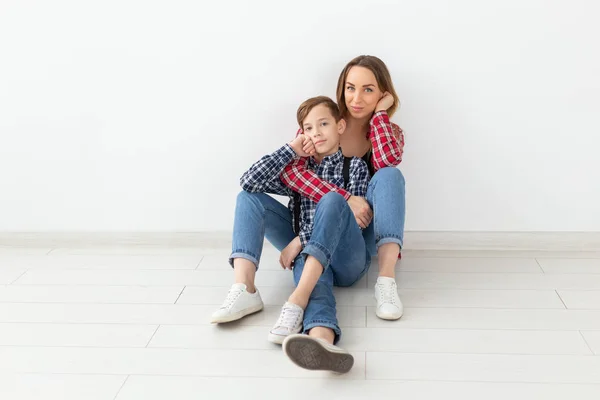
<point x="341" y="126"/>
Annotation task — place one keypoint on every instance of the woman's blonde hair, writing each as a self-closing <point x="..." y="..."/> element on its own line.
<point x="382" y="75"/>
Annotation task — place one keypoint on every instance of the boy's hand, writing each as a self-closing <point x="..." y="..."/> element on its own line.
<point x="303" y="146"/>
<point x="385" y="102"/>
<point x="289" y="254"/>
<point x="361" y="210"/>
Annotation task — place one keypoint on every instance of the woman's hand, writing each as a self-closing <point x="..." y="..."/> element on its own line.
<point x="303" y="146"/>
<point x="289" y="254"/>
<point x="385" y="102"/>
<point x="361" y="210"/>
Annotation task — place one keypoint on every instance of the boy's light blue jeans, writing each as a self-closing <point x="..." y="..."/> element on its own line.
<point x="334" y="241"/>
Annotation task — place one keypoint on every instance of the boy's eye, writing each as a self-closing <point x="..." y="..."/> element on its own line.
<point x="307" y="129"/>
<point x="324" y="124"/>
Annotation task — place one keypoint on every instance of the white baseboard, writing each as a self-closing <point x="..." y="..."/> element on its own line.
<point x="414" y="240"/>
<point x="515" y="241"/>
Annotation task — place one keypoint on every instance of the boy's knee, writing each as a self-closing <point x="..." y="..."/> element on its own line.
<point x="244" y="196"/>
<point x="332" y="199"/>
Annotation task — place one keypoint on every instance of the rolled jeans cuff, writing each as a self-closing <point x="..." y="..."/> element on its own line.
<point x="245" y="255"/>
<point x="389" y="239"/>
<point x="319" y="252"/>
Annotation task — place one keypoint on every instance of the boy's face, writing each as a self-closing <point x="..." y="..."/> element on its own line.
<point x="320" y="126"/>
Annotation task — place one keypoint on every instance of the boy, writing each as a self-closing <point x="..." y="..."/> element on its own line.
<point x="329" y="247"/>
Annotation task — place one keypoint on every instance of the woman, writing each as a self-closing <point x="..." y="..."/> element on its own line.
<point x="367" y="99"/>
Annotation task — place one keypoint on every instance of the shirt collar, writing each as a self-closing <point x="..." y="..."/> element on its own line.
<point x="335" y="158"/>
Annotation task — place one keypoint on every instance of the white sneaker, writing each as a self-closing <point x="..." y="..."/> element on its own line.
<point x="316" y="354"/>
<point x="389" y="305"/>
<point x="238" y="304"/>
<point x="289" y="322"/>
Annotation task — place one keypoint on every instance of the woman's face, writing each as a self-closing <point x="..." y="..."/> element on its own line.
<point x="361" y="92"/>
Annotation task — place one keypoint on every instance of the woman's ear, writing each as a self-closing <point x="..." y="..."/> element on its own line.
<point x="341" y="126"/>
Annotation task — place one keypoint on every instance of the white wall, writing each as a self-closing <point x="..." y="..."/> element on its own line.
<point x="132" y="115"/>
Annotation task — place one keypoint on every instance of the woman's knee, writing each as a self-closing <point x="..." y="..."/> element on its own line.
<point x="387" y="183"/>
<point x="389" y="175"/>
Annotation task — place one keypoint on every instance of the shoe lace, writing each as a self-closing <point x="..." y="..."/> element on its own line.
<point x="288" y="317"/>
<point x="388" y="293"/>
<point x="232" y="296"/>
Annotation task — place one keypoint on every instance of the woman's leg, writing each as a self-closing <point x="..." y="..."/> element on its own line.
<point x="257" y="215"/>
<point x="386" y="194"/>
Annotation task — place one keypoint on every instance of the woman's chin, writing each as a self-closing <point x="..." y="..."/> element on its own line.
<point x="361" y="114"/>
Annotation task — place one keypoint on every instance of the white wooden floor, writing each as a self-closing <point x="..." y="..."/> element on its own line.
<point x="132" y="323"/>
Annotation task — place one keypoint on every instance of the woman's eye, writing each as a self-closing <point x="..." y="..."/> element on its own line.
<point x="369" y="90"/>
<point x="349" y="88"/>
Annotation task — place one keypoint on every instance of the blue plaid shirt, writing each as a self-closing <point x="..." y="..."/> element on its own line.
<point x="263" y="177"/>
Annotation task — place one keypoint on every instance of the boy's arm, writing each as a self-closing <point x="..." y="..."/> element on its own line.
<point x="306" y="182"/>
<point x="387" y="140"/>
<point x="263" y="175"/>
<point x="290" y="252"/>
<point x="359" y="177"/>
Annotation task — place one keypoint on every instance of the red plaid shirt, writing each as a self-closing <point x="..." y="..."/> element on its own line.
<point x="387" y="140"/>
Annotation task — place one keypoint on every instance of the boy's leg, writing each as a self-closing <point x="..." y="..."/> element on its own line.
<point x="315" y="353"/>
<point x="386" y="194"/>
<point x="337" y="243"/>
<point x="257" y="215"/>
<point x="335" y="236"/>
<point x="315" y="350"/>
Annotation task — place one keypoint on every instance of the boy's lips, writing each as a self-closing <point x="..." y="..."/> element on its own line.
<point x="319" y="142"/>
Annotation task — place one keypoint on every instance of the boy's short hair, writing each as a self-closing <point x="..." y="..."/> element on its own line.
<point x="311" y="103"/>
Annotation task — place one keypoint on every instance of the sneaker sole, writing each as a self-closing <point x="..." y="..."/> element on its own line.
<point x="238" y="315"/>
<point x="388" y="317"/>
<point x="310" y="354"/>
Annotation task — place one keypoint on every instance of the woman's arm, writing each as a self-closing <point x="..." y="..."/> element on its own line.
<point x="387" y="140"/>
<point x="306" y="182"/>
